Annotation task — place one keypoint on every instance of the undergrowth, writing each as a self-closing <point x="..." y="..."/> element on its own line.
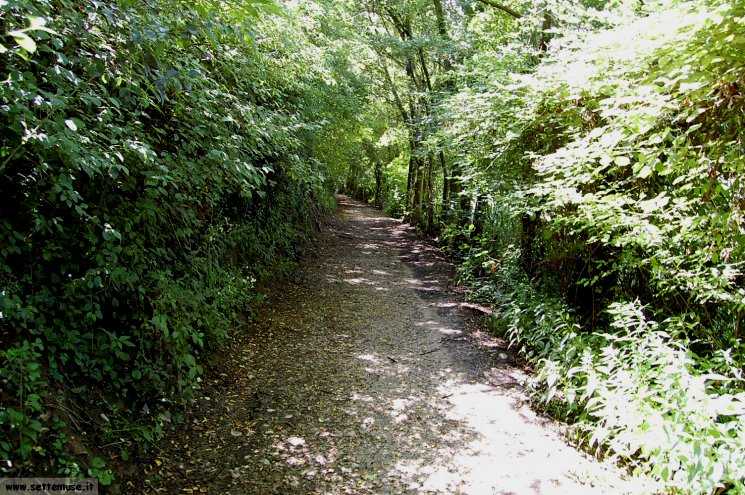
<point x="612" y="234"/>
<point x="632" y="392"/>
<point x="157" y="161"/>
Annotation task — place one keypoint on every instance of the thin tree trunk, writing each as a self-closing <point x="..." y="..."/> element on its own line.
<point x="445" y="184"/>
<point x="378" y="183"/>
<point x="416" y="191"/>
<point x="430" y="195"/>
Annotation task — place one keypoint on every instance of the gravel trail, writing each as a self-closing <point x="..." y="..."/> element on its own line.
<point x="367" y="374"/>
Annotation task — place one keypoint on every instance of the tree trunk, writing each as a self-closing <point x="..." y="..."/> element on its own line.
<point x="448" y="177"/>
<point x="445" y="184"/>
<point x="529" y="228"/>
<point x="378" y="183"/>
<point x="416" y="191"/>
<point x="430" y="196"/>
<point x="478" y="215"/>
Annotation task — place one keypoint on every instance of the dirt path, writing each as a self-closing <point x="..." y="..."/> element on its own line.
<point x="367" y="376"/>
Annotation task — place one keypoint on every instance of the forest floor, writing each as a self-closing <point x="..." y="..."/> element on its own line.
<point x="368" y="374"/>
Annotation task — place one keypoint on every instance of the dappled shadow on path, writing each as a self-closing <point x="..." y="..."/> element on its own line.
<point x="369" y="374"/>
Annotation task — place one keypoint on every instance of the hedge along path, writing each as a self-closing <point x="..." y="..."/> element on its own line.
<point x="368" y="375"/>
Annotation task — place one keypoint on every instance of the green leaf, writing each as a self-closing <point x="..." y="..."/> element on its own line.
<point x="622" y="161"/>
<point x="645" y="172"/>
<point x="24" y="41"/>
<point x="105" y="477"/>
<point x="39" y="24"/>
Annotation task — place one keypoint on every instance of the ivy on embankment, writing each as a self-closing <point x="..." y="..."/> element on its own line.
<point x="155" y="163"/>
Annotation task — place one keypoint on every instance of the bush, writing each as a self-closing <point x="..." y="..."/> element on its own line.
<point x="618" y="269"/>
<point x="154" y="167"/>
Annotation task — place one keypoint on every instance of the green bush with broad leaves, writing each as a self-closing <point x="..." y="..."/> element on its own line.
<point x="157" y="159"/>
<point x="613" y="239"/>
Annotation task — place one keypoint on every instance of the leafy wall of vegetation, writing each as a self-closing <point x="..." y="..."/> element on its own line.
<point x="612" y="236"/>
<point x="158" y="158"/>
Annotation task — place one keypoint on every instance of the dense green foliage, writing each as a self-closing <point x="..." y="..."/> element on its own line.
<point x="158" y="159"/>
<point x="619" y="175"/>
<point x="582" y="160"/>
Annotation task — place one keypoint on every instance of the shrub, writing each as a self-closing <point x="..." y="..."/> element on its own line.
<point x="155" y="165"/>
<point x="617" y="162"/>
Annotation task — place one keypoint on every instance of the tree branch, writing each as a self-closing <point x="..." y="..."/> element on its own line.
<point x="394" y="91"/>
<point x="503" y="8"/>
